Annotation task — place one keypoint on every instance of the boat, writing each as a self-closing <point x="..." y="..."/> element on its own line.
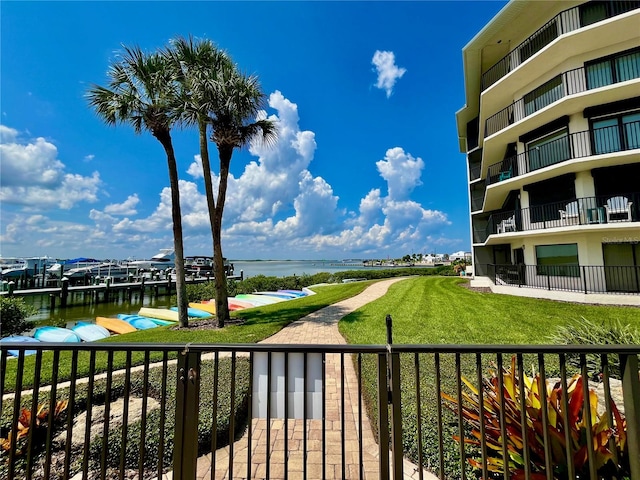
<point x="161" y="313"/>
<point x="56" y="334"/>
<point x="194" y="312"/>
<point x="258" y="299"/>
<point x="21" y="339"/>
<point x="297" y="293"/>
<point x="237" y="304"/>
<point x="283" y="295"/>
<point x="63" y="266"/>
<point x="164" y="259"/>
<point x="112" y="270"/>
<point x="90" y="332"/>
<point x="157" y="321"/>
<point x="205" y="307"/>
<point x="139" y="322"/>
<point x="16" y="267"/>
<point x="115" y="325"/>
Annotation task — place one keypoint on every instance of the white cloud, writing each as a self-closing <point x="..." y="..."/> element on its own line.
<point x="33" y="176"/>
<point x="388" y="71"/>
<point x="401" y="171"/>
<point x="88" y="158"/>
<point x="128" y="207"/>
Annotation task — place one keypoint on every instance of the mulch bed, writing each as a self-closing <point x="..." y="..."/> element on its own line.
<point x="208" y="324"/>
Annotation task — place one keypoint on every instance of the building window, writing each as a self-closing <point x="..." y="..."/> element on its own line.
<point x="617" y="133"/>
<point x="596" y="11"/>
<point x="548" y="150"/>
<point x="544" y="95"/>
<point x="618" y="68"/>
<point x="558" y="260"/>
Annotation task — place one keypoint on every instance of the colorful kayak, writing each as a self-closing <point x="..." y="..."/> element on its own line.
<point x="141" y="323"/>
<point x="157" y="321"/>
<point x="283" y="295"/>
<point x="237" y="304"/>
<point x="115" y="325"/>
<point x="194" y="312"/>
<point x="21" y="339"/>
<point x="258" y="299"/>
<point x="205" y="307"/>
<point x="90" y="332"/>
<point x="297" y="293"/>
<point x="56" y="334"/>
<point x="161" y="313"/>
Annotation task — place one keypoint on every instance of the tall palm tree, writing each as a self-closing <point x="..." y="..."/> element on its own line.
<point x="235" y="124"/>
<point x="215" y="93"/>
<point x="142" y="91"/>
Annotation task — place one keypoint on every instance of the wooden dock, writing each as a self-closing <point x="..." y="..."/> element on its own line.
<point x="105" y="292"/>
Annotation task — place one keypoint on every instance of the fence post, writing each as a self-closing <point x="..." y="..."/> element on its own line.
<point x="584" y="279"/>
<point x="383" y="417"/>
<point x="631" y="395"/>
<point x="64" y="292"/>
<point x="185" y="453"/>
<point x="395" y="401"/>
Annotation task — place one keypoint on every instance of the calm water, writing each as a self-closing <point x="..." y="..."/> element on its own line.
<point x="90" y="311"/>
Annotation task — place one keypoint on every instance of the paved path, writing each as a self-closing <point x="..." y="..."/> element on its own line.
<point x="320" y="327"/>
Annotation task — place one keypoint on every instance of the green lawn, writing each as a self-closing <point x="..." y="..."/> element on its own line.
<point x="437" y="310"/>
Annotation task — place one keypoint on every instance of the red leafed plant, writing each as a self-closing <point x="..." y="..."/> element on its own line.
<point x="609" y="442"/>
<point x="24" y="425"/>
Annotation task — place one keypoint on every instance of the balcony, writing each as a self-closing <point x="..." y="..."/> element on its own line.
<point x="565" y="22"/>
<point x="609" y="209"/>
<point x="598" y="141"/>
<point x="586" y="279"/>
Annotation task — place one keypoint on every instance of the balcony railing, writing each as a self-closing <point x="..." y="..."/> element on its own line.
<point x="230" y="404"/>
<point x="477" y="199"/>
<point x="575" y="145"/>
<point x="580" y="211"/>
<point x="565" y="22"/>
<point x="587" y="279"/>
<point x="475" y="170"/>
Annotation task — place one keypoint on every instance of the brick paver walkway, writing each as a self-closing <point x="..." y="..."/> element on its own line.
<point x="320" y="327"/>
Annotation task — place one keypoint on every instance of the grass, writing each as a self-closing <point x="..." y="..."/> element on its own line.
<point x="437" y="310"/>
<point x="259" y="323"/>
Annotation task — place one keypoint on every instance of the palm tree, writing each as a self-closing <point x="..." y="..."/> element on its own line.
<point x="215" y="93"/>
<point x="142" y="91"/>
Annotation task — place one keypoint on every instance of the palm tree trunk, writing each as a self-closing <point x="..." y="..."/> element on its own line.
<point x="164" y="137"/>
<point x="222" y="304"/>
<point x="215" y="234"/>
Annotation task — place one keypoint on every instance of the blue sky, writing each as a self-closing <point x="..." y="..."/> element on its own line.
<point x="364" y="94"/>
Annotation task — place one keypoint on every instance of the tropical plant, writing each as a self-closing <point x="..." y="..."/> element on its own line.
<point x="214" y="93"/>
<point x="143" y="92"/>
<point x="13" y="315"/>
<point x="40" y="424"/>
<point x="586" y="332"/>
<point x="609" y="442"/>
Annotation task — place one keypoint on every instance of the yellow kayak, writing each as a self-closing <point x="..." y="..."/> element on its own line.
<point x="161" y="313"/>
<point x="115" y="325"/>
<point x="205" y="307"/>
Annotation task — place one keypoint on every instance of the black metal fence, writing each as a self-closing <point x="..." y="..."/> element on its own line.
<point x="579" y="211"/>
<point x="208" y="411"/>
<point x="597" y="141"/>
<point x="587" y="279"/>
<point x="565" y="22"/>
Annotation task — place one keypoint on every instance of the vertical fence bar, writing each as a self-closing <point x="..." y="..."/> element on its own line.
<point x="542" y="390"/>
<point x="268" y="446"/>
<point x="163" y="412"/>
<point x="324" y="415"/>
<point x="483" y="438"/>
<point x="87" y="428"/>
<point x="250" y="416"/>
<point x="463" y="473"/>
<point x="360" y="433"/>
<point x="503" y="420"/>
<point x="631" y="395"/>
<point x="34" y="409"/>
<point x="383" y="417"/>
<point x="107" y="405"/>
<point x="342" y="418"/>
<point x="523" y="418"/>
<point x="396" y="416"/>
<point x="604" y="364"/>
<point x="16" y="415"/>
<point x="436" y="360"/>
<point x="214" y="414"/>
<point x="52" y="407"/>
<point x="304" y="428"/>
<point x="143" y="415"/>
<point x="70" y="410"/>
<point x="571" y="469"/>
<point x="586" y="412"/>
<point x="185" y="454"/>
<point x="232" y="414"/>
<point x="125" y="414"/>
<point x="418" y="413"/>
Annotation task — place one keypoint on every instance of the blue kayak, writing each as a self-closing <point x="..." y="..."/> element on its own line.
<point x="141" y="323"/>
<point x="157" y="321"/>
<point x="194" y="312"/>
<point x="21" y="339"/>
<point x="297" y="293"/>
<point x="90" y="332"/>
<point x="56" y="334"/>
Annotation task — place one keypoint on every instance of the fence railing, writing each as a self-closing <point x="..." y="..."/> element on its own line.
<point x="477" y="198"/>
<point x="475" y="170"/>
<point x="565" y="22"/>
<point x="580" y="211"/>
<point x="587" y="279"/>
<point x="116" y="410"/>
<point x="583" y="144"/>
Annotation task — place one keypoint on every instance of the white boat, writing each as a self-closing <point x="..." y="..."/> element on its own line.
<point x="75" y="263"/>
<point x="113" y="270"/>
<point x="162" y="260"/>
<point x="14" y="267"/>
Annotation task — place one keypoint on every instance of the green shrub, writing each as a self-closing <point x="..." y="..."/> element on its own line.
<point x="13" y="315"/>
<point x="585" y="332"/>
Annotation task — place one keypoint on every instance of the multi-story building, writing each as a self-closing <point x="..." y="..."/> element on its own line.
<point x="551" y="129"/>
